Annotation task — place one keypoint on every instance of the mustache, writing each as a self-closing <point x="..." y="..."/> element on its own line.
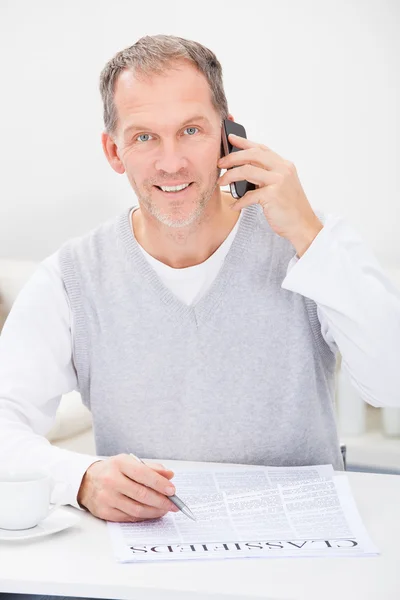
<point x="181" y="178"/>
<point x="166" y="177"/>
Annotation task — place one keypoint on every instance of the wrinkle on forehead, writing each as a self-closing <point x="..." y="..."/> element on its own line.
<point x="182" y="90"/>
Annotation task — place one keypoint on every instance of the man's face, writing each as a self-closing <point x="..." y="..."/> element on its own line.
<point x="169" y="134"/>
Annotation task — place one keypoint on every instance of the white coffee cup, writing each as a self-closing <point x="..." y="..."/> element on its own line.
<point x="24" y="497"/>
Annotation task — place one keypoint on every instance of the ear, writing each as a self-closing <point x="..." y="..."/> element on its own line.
<point x="111" y="151"/>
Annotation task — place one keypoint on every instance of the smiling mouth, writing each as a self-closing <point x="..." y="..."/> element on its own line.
<point x="174" y="190"/>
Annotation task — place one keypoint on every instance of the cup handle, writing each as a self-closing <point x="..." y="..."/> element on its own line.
<point x="53" y="508"/>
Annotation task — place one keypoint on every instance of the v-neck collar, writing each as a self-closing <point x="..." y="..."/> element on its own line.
<point x="205" y="306"/>
<point x="191" y="272"/>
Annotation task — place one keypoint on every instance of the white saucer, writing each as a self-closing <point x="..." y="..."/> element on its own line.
<point x="60" y="519"/>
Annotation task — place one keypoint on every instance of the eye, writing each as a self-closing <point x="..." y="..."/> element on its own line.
<point x="191" y="130"/>
<point x="142" y="135"/>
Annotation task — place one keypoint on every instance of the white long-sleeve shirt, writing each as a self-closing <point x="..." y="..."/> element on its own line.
<point x="358" y="308"/>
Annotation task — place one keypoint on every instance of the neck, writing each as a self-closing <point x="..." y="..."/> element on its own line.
<point x="186" y="246"/>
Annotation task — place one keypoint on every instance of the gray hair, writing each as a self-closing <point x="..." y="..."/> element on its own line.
<point x="152" y="55"/>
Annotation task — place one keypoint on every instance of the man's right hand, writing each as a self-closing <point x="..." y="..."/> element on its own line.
<point x="122" y="489"/>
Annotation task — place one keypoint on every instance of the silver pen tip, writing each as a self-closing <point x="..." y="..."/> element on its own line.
<point x="188" y="513"/>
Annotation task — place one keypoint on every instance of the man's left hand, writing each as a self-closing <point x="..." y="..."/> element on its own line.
<point x="278" y="191"/>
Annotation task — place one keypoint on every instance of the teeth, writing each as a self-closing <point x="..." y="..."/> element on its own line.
<point x="174" y="188"/>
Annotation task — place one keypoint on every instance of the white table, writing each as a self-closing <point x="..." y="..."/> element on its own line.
<point x="79" y="562"/>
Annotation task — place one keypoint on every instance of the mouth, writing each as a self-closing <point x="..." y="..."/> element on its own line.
<point x="175" y="191"/>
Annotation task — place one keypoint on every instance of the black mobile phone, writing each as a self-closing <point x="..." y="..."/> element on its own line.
<point x="238" y="188"/>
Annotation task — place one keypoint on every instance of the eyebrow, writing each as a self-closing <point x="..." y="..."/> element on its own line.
<point x="134" y="127"/>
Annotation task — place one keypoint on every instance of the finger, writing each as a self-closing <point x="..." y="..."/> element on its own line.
<point x="255" y="175"/>
<point x="144" y="495"/>
<point x="162" y="469"/>
<point x="139" y="511"/>
<point x="167" y="474"/>
<point x="117" y="516"/>
<point x="252" y="197"/>
<point x="156" y="465"/>
<point x="241" y="142"/>
<point x="141" y="473"/>
<point x="265" y="159"/>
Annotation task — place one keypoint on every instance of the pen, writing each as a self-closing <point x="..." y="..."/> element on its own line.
<point x="174" y="499"/>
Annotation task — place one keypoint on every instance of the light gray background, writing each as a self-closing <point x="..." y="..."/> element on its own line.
<point x="317" y="81"/>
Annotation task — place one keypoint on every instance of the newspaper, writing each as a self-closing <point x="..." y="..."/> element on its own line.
<point x="257" y="512"/>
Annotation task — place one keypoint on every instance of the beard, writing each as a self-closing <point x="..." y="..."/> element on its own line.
<point x="177" y="213"/>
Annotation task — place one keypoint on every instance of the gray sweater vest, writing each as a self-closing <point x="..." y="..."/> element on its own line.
<point x="244" y="375"/>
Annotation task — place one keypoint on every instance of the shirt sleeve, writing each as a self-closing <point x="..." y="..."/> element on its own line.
<point x="358" y="308"/>
<point x="36" y="369"/>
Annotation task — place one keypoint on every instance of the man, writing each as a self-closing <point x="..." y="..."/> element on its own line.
<point x="195" y="327"/>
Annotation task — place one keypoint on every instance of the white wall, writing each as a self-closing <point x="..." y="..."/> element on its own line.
<point x="319" y="82"/>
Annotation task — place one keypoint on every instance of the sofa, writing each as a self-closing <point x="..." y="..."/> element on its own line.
<point x="72" y="428"/>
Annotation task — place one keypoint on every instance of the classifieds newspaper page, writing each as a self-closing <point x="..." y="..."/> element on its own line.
<point x="266" y="511"/>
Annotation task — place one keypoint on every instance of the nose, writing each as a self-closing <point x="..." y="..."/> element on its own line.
<point x="170" y="158"/>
